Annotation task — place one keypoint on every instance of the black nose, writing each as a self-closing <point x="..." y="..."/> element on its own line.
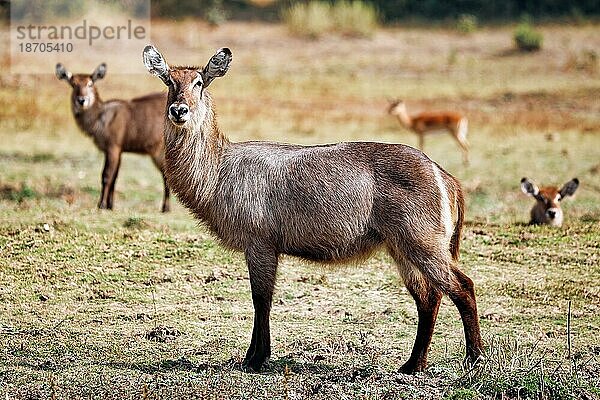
<point x="81" y="100"/>
<point x="551" y="214"/>
<point x="178" y="110"/>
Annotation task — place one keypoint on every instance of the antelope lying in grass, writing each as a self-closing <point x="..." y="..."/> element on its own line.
<point x="117" y="126"/>
<point x="546" y="209"/>
<point x="329" y="204"/>
<point x="431" y="122"/>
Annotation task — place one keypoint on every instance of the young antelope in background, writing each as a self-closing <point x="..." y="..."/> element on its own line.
<point x="546" y="209"/>
<point x="117" y="126"/>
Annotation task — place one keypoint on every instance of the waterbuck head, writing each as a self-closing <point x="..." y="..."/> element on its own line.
<point x="547" y="207"/>
<point x="186" y="84"/>
<point x="84" y="94"/>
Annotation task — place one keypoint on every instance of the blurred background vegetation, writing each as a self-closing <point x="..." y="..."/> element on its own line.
<point x="389" y="11"/>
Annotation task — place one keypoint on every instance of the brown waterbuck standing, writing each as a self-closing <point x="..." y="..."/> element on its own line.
<point x="117" y="126"/>
<point x="329" y="204"/>
<point x="431" y="122"/>
<point x="546" y="210"/>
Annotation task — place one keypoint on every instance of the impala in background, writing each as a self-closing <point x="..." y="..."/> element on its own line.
<point x="117" y="126"/>
<point x="546" y="209"/>
<point x="433" y="122"/>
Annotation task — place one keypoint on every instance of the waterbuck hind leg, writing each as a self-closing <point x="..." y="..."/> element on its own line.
<point x="429" y="271"/>
<point x="159" y="162"/>
<point x="463" y="296"/>
<point x="428" y="299"/>
<point x="262" y="268"/>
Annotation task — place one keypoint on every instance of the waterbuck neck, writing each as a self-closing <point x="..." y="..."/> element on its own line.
<point x="193" y="154"/>
<point x="91" y="120"/>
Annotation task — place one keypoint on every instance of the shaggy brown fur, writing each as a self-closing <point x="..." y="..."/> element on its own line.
<point x="329" y="204"/>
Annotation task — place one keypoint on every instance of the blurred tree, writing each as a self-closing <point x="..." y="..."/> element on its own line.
<point x="393" y="10"/>
<point x="3" y="10"/>
<point x="182" y="8"/>
<point x="390" y="10"/>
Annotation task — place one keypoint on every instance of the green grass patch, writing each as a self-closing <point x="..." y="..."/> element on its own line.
<point x="467" y="24"/>
<point x="527" y="38"/>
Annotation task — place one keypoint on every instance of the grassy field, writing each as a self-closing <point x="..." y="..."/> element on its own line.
<point x="135" y="304"/>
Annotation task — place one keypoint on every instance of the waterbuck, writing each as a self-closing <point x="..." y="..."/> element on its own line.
<point x="428" y="122"/>
<point x="117" y="126"/>
<point x="546" y="210"/>
<point x="329" y="204"/>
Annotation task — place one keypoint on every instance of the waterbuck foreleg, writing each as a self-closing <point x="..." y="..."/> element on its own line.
<point x="166" y="207"/>
<point x="111" y="191"/>
<point x="112" y="158"/>
<point x="262" y="268"/>
<point x="464" y="299"/>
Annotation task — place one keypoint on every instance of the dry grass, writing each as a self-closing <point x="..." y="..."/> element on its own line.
<point x="312" y="19"/>
<point x="83" y="292"/>
<point x="318" y="18"/>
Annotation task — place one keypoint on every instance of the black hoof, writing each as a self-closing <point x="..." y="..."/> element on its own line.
<point x="410" y="368"/>
<point x="253" y="365"/>
<point x="250" y="369"/>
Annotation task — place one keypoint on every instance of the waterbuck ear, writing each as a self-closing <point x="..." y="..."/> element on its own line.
<point x="217" y="65"/>
<point x="99" y="72"/>
<point x="569" y="188"/>
<point x="155" y="63"/>
<point x="62" y="73"/>
<point x="529" y="187"/>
